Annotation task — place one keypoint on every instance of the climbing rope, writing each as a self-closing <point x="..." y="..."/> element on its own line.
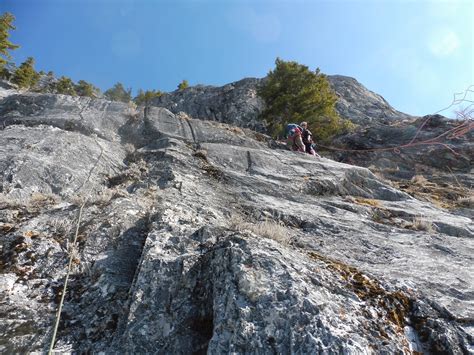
<point x="71" y="254"/>
<point x="457" y="132"/>
<point x="69" y="268"/>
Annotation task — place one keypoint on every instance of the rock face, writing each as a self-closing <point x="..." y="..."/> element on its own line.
<point x="360" y="105"/>
<point x="238" y="104"/>
<point x="198" y="236"/>
<point x="235" y="103"/>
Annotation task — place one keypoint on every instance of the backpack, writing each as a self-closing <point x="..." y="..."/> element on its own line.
<point x="291" y="129"/>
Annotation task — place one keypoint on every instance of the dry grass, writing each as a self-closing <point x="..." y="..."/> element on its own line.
<point x="443" y="195"/>
<point x="201" y="153"/>
<point x="9" y="202"/>
<point x="77" y="200"/>
<point x="129" y="148"/>
<point x="267" y="228"/>
<point x="61" y="226"/>
<point x="467" y="202"/>
<point x="104" y="197"/>
<point x="35" y="201"/>
<point x="367" y="202"/>
<point x="101" y="197"/>
<point x="132" y="112"/>
<point x="38" y="199"/>
<point x="419" y="180"/>
<point x="422" y="224"/>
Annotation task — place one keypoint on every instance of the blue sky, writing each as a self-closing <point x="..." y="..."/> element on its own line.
<point x="416" y="54"/>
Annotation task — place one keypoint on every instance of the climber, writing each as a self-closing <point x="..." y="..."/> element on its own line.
<point x="307" y="138"/>
<point x="293" y="138"/>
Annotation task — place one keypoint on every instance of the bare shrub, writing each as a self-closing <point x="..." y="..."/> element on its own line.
<point x="236" y="222"/>
<point x="61" y="226"/>
<point x="9" y="202"/>
<point x="38" y="199"/>
<point x="104" y="197"/>
<point x="422" y="224"/>
<point x="467" y="201"/>
<point x="78" y="200"/>
<point x="129" y="148"/>
<point x="267" y="228"/>
<point x="271" y="230"/>
<point x="201" y="153"/>
<point x="419" y="180"/>
<point x="132" y="111"/>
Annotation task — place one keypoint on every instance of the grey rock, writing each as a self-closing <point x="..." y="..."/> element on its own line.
<point x="238" y="104"/>
<point x="360" y="105"/>
<point x="205" y="238"/>
<point x="235" y="103"/>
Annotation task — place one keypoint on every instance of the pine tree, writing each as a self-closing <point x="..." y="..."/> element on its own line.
<point x="183" y="85"/>
<point x="7" y="71"/>
<point x="293" y="93"/>
<point x="26" y="76"/>
<point x="83" y="88"/>
<point x="65" y="86"/>
<point x="6" y="21"/>
<point x="144" y="97"/>
<point x="118" y="93"/>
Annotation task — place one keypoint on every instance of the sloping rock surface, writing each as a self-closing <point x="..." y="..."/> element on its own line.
<point x="197" y="237"/>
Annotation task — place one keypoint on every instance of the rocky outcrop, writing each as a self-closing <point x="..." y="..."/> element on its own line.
<point x="235" y="103"/>
<point x="360" y="105"/>
<point x="238" y="104"/>
<point x="198" y="236"/>
<point x="430" y="158"/>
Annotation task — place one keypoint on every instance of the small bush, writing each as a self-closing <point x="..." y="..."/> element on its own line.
<point x="183" y="85"/>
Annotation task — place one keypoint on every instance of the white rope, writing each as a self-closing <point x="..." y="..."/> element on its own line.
<point x="69" y="268"/>
<point x="71" y="254"/>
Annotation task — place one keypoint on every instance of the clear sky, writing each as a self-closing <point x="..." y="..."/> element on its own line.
<point x="416" y="54"/>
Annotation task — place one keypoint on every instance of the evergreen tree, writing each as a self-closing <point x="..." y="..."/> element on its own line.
<point x="83" y="88"/>
<point x="144" y="97"/>
<point x="183" y="85"/>
<point x="7" y="71"/>
<point x="6" y="21"/>
<point x="65" y="86"/>
<point x="293" y="93"/>
<point x="26" y="76"/>
<point x="118" y="93"/>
